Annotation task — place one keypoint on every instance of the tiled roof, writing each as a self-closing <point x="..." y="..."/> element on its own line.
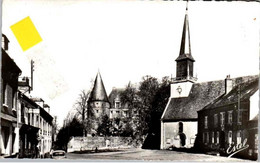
<point x="115" y="94"/>
<point x="98" y="92"/>
<point x="246" y="87"/>
<point x="201" y="95"/>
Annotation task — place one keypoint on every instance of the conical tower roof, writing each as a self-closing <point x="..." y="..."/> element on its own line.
<point x="98" y="92"/>
<point x="185" y="50"/>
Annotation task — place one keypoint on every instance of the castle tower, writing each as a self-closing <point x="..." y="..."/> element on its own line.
<point x="182" y="84"/>
<point x="98" y="99"/>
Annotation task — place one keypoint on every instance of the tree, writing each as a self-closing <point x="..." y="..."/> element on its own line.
<point x="147" y="91"/>
<point x="105" y="127"/>
<point x="82" y="110"/>
<point x="72" y="128"/>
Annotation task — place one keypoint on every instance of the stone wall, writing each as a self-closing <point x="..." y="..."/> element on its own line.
<point x="91" y="143"/>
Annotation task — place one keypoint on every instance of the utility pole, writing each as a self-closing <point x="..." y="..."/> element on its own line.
<point x="32" y="69"/>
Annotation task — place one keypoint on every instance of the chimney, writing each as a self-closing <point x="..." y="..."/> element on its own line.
<point x="5" y="42"/>
<point x="228" y="84"/>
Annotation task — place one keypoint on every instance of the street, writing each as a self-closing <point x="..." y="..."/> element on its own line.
<point x="149" y="155"/>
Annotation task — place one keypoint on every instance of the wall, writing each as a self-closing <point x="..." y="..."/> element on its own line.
<point x="170" y="134"/>
<point x="90" y="143"/>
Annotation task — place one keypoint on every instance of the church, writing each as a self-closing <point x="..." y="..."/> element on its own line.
<point x="179" y="121"/>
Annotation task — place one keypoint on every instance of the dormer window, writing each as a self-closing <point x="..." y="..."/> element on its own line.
<point x="117" y="104"/>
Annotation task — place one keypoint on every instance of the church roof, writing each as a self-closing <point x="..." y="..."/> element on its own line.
<point x="185" y="50"/>
<point x="201" y="95"/>
<point x="98" y="92"/>
<point x="245" y="90"/>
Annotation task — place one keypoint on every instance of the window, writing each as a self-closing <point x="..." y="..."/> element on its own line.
<point x="238" y="137"/>
<point x="215" y="120"/>
<point x="239" y="117"/>
<point x="206" y="122"/>
<point x="117" y="104"/>
<point x="14" y="100"/>
<point x="256" y="143"/>
<point x="96" y="111"/>
<point x="230" y="137"/>
<point x="111" y="112"/>
<point x="217" y="140"/>
<point x="125" y="113"/>
<point x="212" y="137"/>
<point x="117" y="112"/>
<point x="5" y="94"/>
<point x="230" y="116"/>
<point x="222" y="118"/>
<point x="180" y="127"/>
<point x="206" y="137"/>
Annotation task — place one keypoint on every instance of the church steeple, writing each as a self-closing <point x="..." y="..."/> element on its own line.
<point x="185" y="60"/>
<point x="98" y="92"/>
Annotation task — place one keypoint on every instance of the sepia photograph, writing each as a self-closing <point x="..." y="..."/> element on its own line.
<point x="129" y="80"/>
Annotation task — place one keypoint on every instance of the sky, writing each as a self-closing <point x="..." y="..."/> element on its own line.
<point x="126" y="40"/>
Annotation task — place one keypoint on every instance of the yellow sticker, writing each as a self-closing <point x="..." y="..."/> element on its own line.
<point x="26" y="33"/>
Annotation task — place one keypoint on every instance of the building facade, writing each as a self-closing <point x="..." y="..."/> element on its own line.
<point x="9" y="130"/>
<point x="228" y="124"/>
<point x="26" y="125"/>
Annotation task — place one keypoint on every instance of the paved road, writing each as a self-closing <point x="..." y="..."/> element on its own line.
<point x="149" y="155"/>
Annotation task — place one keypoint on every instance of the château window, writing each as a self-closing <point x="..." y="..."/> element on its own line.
<point x="230" y="117"/>
<point x="117" y="104"/>
<point x="206" y="122"/>
<point x="215" y="120"/>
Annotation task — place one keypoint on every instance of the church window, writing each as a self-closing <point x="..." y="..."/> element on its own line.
<point x="180" y="127"/>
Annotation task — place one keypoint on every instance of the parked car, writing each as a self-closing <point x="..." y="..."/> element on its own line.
<point x="58" y="154"/>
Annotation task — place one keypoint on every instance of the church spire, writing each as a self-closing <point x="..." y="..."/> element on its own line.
<point x="98" y="92"/>
<point x="185" y="59"/>
<point x="185" y="50"/>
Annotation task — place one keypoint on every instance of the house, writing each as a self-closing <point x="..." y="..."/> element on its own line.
<point x="9" y="131"/>
<point x="121" y="110"/>
<point x="41" y="118"/>
<point x="229" y="123"/>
